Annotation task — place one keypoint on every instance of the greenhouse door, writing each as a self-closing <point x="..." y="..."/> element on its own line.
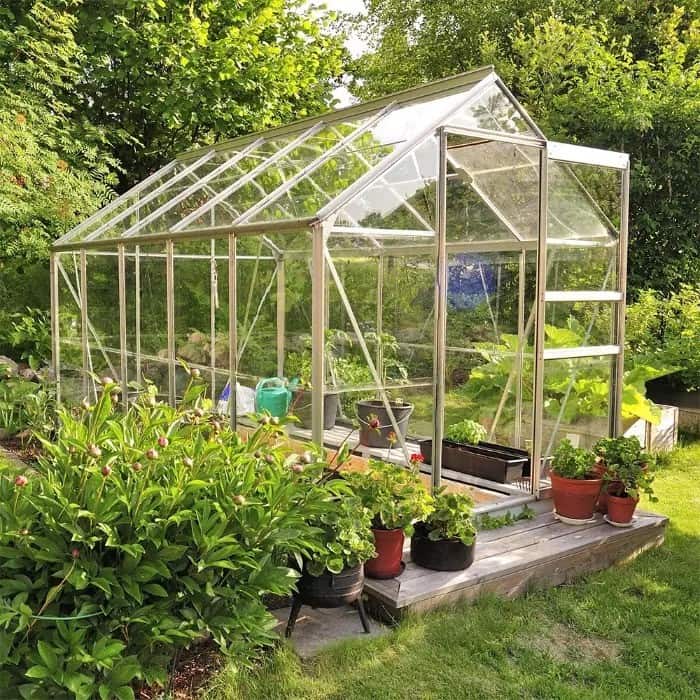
<point x="490" y="206"/>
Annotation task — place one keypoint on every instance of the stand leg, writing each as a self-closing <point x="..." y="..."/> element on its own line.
<point x="363" y="615"/>
<point x="293" y="614"/>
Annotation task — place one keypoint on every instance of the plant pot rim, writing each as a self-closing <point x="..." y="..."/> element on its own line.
<point x="378" y="402"/>
<point x="386" y="529"/>
<point x="568" y="478"/>
<point x="625" y="497"/>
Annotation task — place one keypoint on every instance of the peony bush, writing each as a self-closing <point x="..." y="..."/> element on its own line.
<point x="139" y="533"/>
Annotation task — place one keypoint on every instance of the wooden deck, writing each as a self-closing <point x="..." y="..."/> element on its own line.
<point x="538" y="553"/>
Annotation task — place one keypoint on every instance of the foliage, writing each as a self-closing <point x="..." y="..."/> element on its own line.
<point x="395" y="496"/>
<point x="140" y="533"/>
<point x="30" y="336"/>
<point x="27" y="408"/>
<point x="468" y="432"/>
<point x="347" y="538"/>
<point x="163" y="76"/>
<point x="573" y="388"/>
<point x="666" y="331"/>
<point x="494" y="522"/>
<point x="53" y="170"/>
<point x="627" y="467"/>
<point x="571" y="462"/>
<point x="451" y="518"/>
<point x="615" y="74"/>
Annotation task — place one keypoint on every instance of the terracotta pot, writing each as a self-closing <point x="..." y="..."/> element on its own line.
<point x="621" y="508"/>
<point x="575" y="498"/>
<point x="613" y="488"/>
<point x="389" y="546"/>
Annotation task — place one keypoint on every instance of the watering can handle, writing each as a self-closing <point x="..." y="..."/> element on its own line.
<point x="263" y="383"/>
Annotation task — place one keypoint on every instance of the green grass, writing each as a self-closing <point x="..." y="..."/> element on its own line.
<point x="632" y="631"/>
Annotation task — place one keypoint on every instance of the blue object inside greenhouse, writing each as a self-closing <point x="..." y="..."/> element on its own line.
<point x="469" y="281"/>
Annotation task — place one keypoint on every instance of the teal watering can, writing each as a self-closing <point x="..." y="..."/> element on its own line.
<point x="274" y="396"/>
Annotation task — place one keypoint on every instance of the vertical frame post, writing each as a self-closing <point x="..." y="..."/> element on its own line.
<point x="84" y="320"/>
<point x="55" y="328"/>
<point x="380" y="314"/>
<point x="232" y="329"/>
<point x="137" y="309"/>
<point x="522" y="341"/>
<point x="617" y="378"/>
<point x="213" y="295"/>
<point x="318" y="312"/>
<point x="540" y="307"/>
<point x="281" y="301"/>
<point x="170" y="313"/>
<point x="123" y="363"/>
<point x="440" y="339"/>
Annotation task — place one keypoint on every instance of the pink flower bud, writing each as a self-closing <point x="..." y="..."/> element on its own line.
<point x="163" y="441"/>
<point x="137" y="466"/>
<point x="297" y="468"/>
<point x="107" y="380"/>
<point x="106" y="470"/>
<point x="152" y="453"/>
<point x="75" y="553"/>
<point x="85" y="404"/>
<point x="94" y="450"/>
<point x="21" y="481"/>
<point x="196" y="374"/>
<point x="188" y="462"/>
<point x="239" y="500"/>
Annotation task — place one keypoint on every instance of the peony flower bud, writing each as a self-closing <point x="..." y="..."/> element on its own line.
<point x="21" y="481"/>
<point x="297" y="468"/>
<point x="163" y="441"/>
<point x="94" y="450"/>
<point x="239" y="500"/>
<point x="75" y="553"/>
<point x="196" y="374"/>
<point x="137" y="466"/>
<point x="152" y="453"/>
<point x="106" y="470"/>
<point x="188" y="462"/>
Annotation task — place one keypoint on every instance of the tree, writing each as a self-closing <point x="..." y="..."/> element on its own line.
<point x="53" y="171"/>
<point x="624" y="75"/>
<point x="161" y="76"/>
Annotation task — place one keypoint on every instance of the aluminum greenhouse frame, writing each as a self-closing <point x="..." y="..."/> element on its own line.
<point x="339" y="181"/>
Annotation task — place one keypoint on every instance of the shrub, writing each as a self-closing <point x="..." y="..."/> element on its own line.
<point x="26" y="407"/>
<point x="140" y="533"/>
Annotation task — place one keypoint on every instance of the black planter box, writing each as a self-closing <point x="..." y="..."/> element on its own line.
<point x="483" y="460"/>
<point x="440" y="555"/>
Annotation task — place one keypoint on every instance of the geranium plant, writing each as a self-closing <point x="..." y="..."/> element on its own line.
<point x="451" y="518"/>
<point x="571" y="462"/>
<point x="395" y="496"/>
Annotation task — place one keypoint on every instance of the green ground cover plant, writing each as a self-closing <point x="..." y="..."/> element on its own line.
<point x="630" y="631"/>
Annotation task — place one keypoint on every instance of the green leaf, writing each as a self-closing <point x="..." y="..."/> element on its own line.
<point x="38" y="672"/>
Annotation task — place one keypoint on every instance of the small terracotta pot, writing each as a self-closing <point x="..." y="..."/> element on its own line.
<point x="389" y="546"/>
<point x="613" y="488"/>
<point x="575" y="498"/>
<point x="621" y="508"/>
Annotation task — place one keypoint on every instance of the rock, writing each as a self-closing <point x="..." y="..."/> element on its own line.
<point x="7" y="364"/>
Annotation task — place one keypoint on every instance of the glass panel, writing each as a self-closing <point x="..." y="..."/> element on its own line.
<point x="70" y="344"/>
<point x="573" y="325"/>
<point x="576" y="401"/>
<point x="103" y="314"/>
<point x="401" y="199"/>
<point x="493" y="111"/>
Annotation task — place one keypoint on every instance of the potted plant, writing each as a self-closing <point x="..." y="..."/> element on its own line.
<point x="445" y="539"/>
<point x="299" y="367"/>
<point x="464" y="450"/>
<point x="376" y="428"/>
<point x="575" y="485"/>
<point x="333" y="575"/>
<point x="396" y="497"/>
<point x="625" y="475"/>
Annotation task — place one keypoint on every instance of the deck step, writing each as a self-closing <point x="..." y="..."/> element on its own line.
<point x="539" y="553"/>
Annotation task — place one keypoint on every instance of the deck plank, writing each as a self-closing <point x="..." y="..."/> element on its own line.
<point x="543" y="551"/>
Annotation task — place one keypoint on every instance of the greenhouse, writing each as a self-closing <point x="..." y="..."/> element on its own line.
<point x="399" y="266"/>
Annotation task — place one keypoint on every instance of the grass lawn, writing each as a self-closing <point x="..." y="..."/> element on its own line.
<point x="628" y="632"/>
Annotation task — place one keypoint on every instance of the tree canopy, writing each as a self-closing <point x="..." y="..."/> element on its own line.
<point x="624" y="75"/>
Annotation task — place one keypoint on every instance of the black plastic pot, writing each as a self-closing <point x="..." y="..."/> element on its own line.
<point x="440" y="555"/>
<point x="482" y="460"/>
<point x="331" y="590"/>
<point x="372" y="437"/>
<point x="301" y="408"/>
